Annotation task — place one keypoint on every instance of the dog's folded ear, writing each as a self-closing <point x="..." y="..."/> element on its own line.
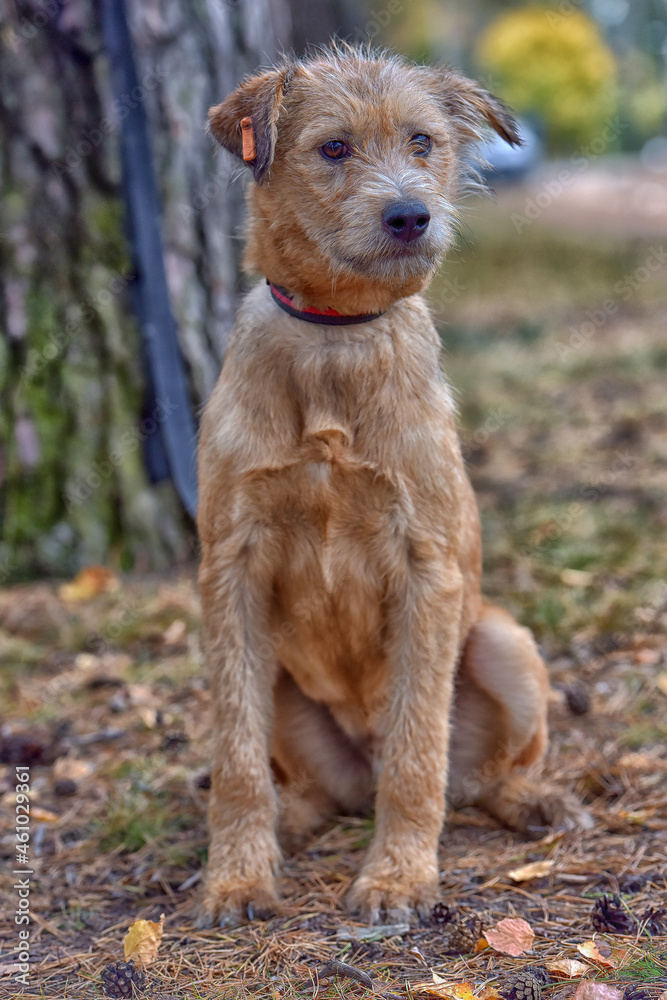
<point x="259" y="98"/>
<point x="470" y="105"/>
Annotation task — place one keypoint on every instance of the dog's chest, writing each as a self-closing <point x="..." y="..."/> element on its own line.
<point x="327" y="623"/>
<point x="347" y="501"/>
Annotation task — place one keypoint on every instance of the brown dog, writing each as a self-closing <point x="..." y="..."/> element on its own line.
<point x="351" y="656"/>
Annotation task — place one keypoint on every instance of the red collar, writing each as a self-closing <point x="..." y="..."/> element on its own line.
<point x="328" y="317"/>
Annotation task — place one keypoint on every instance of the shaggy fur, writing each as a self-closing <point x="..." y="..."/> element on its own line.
<point x="353" y="662"/>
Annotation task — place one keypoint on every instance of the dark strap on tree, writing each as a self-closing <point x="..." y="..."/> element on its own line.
<point x="151" y="295"/>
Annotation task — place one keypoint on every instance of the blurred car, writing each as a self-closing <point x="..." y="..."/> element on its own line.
<point x="496" y="162"/>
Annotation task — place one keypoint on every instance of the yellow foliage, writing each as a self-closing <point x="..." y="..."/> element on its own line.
<point x="554" y="64"/>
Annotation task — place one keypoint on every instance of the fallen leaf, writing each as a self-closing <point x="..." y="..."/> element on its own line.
<point x="648" y="656"/>
<point x="576" y="577"/>
<point x="638" y="816"/>
<point x="148" y="716"/>
<point x="661" y="682"/>
<point x="90" y="582"/>
<point x="43" y="815"/>
<point x="567" y="968"/>
<point x="549" y="839"/>
<point x="175" y="634"/>
<point x="591" y="990"/>
<point x="445" y="988"/>
<point x="536" y="869"/>
<point x="463" y="991"/>
<point x="142" y="940"/>
<point x="591" y="949"/>
<point x="511" y="936"/>
<point x="489" y="993"/>
<point x="600" y="951"/>
<point x="481" y="945"/>
<point x="70" y="767"/>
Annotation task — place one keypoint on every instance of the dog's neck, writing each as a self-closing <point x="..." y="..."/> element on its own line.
<point x="296" y="266"/>
<point x="310" y="314"/>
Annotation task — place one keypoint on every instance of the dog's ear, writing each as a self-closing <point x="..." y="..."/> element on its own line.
<point x="470" y="105"/>
<point x="259" y="98"/>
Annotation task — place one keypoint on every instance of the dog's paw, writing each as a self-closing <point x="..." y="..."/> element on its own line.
<point x="226" y="903"/>
<point x="377" y="898"/>
<point x="531" y="808"/>
<point x="563" y="811"/>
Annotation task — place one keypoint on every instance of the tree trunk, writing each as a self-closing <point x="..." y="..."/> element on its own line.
<point x="73" y="412"/>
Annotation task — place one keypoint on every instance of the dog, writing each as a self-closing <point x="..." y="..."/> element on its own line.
<point x="353" y="661"/>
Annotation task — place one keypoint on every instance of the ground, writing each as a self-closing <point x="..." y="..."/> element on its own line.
<point x="556" y="340"/>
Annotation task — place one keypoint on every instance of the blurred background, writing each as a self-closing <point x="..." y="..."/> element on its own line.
<point x="552" y="311"/>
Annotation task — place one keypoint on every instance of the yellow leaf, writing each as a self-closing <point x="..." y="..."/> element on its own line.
<point x="489" y="993"/>
<point x="446" y="989"/>
<point x="511" y="936"/>
<point x="567" y="968"/>
<point x="44" y="815"/>
<point x="600" y="951"/>
<point x="90" y="582"/>
<point x="481" y="945"/>
<point x="463" y="991"/>
<point x="661" y="682"/>
<point x="142" y="940"/>
<point x="536" y="869"/>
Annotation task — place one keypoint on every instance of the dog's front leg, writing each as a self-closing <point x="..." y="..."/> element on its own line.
<point x="400" y="874"/>
<point x="235" y="584"/>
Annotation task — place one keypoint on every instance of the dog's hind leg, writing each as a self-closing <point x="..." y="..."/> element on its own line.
<point x="318" y="770"/>
<point x="500" y="729"/>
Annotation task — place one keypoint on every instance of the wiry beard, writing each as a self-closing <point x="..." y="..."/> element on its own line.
<point x="397" y="266"/>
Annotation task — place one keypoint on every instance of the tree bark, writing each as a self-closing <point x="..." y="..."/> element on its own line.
<point x="73" y="416"/>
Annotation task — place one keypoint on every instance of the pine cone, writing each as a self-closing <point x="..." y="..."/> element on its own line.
<point x="611" y="917"/>
<point x="578" y="699"/>
<point x="522" y="986"/>
<point x="441" y="914"/>
<point x="123" y="979"/>
<point x="654" y="921"/>
<point x="466" y="931"/>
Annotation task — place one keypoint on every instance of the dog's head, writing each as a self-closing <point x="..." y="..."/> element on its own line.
<point x="357" y="162"/>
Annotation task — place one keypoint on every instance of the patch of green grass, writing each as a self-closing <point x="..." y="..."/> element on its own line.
<point x="648" y="968"/>
<point x="644" y="735"/>
<point x="139" y="818"/>
<point x="362" y="832"/>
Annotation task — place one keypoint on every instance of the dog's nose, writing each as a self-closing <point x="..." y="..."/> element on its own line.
<point x="406" y="220"/>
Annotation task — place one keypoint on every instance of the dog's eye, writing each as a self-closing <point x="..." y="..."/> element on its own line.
<point x="420" y="144"/>
<point x="335" y="149"/>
